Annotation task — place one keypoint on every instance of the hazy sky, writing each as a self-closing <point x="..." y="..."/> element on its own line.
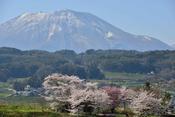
<point x="155" y="18"/>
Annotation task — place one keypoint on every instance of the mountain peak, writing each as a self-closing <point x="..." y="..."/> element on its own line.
<point x="67" y="10"/>
<point x="68" y="29"/>
<point x="64" y="11"/>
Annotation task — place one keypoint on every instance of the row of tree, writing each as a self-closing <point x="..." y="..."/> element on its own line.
<point x="91" y="64"/>
<point x="71" y="94"/>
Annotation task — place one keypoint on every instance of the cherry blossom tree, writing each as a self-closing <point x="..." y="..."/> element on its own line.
<point x="88" y="100"/>
<point x="142" y="102"/>
<point x="69" y="93"/>
<point x="58" y="89"/>
<point x="146" y="104"/>
<point x="115" y="95"/>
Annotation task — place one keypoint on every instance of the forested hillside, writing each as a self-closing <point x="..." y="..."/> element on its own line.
<point x="91" y="64"/>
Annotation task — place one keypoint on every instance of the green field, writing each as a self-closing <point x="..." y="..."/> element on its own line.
<point x="21" y="106"/>
<point x="135" y="80"/>
<point x="119" y="75"/>
<point x="124" y="79"/>
<point x="27" y="110"/>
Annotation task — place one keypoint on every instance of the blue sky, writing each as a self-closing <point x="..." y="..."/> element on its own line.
<point x="155" y="18"/>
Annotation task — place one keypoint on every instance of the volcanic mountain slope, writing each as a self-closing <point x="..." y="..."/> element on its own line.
<point x="67" y="29"/>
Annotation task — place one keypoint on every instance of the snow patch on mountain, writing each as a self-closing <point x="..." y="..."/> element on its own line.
<point x="51" y="32"/>
<point x="109" y="35"/>
<point x="29" y="17"/>
<point x="147" y="38"/>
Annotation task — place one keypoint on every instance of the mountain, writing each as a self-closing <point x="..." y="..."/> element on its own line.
<point x="67" y="29"/>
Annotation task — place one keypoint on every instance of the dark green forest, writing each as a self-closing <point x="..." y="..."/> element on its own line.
<point x="91" y="64"/>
